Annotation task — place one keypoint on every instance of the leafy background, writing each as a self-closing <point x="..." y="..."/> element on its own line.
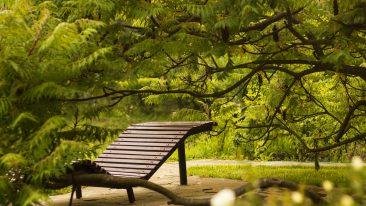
<point x="285" y="80"/>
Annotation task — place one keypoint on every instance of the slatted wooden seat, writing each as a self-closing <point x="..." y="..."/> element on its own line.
<point x="142" y="148"/>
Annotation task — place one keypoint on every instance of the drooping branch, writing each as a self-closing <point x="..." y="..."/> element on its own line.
<point x="297" y="136"/>
<point x="262" y="25"/>
<point x="315" y="67"/>
<point x="318" y="103"/>
<point x="255" y="67"/>
<point x="277" y="110"/>
<point x="104" y="180"/>
<point x="116" y="94"/>
<point x="348" y="117"/>
<point x="341" y="143"/>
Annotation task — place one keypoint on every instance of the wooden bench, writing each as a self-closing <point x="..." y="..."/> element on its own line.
<point x="142" y="148"/>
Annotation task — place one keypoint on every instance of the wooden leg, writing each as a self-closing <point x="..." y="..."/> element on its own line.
<point x="182" y="164"/>
<point x="131" y="196"/>
<point x="72" y="195"/>
<point x="78" y="192"/>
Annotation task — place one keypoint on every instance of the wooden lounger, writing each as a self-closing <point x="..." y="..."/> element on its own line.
<point x="142" y="148"/>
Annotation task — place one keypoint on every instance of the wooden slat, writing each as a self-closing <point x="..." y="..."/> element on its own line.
<point x="162" y="124"/>
<point x="130" y="139"/>
<point x="154" y="124"/>
<point x="152" y="153"/>
<point x="126" y="174"/>
<point x="113" y="169"/>
<point x="146" y="144"/>
<point x="134" y="148"/>
<point x="170" y="136"/>
<point x="134" y="161"/>
<point x="139" y="151"/>
<point x="128" y="166"/>
<point x="136" y="157"/>
<point x="154" y="128"/>
<point x="128" y="131"/>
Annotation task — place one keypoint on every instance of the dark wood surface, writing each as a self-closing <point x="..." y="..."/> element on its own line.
<point x="165" y="128"/>
<point x="127" y="170"/>
<point x="134" y="161"/>
<point x="134" y="148"/>
<point x="129" y="131"/>
<point x="145" y="144"/>
<point x="134" y="152"/>
<point x="163" y="136"/>
<point x="132" y="139"/>
<point x="143" y="148"/>
<point x="136" y="157"/>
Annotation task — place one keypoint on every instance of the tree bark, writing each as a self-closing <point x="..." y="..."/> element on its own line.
<point x="108" y="181"/>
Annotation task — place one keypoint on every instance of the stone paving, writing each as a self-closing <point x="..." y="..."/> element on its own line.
<point x="167" y="176"/>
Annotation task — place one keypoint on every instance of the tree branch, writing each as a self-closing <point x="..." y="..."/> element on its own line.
<point x="347" y="141"/>
<point x="348" y="117"/>
<point x="263" y="24"/>
<point x="105" y="180"/>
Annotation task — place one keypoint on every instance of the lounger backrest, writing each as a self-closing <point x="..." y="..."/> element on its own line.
<point x="142" y="148"/>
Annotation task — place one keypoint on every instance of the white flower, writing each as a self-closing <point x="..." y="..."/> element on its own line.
<point x="297" y="197"/>
<point x="347" y="200"/>
<point x="357" y="163"/>
<point x="225" y="197"/>
<point x="328" y="185"/>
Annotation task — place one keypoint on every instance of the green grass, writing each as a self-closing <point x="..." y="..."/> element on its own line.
<point x="300" y="174"/>
<point x="65" y="190"/>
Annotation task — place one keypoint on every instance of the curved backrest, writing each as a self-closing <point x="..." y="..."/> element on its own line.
<point x="142" y="148"/>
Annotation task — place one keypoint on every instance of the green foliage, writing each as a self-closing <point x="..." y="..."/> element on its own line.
<point x="342" y="185"/>
<point x="44" y="60"/>
<point x="11" y="160"/>
<point x="273" y="74"/>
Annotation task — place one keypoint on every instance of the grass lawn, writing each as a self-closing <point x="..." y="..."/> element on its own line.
<point x="65" y="190"/>
<point x="300" y="174"/>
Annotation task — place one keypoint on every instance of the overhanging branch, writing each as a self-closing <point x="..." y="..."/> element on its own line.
<point x="105" y="180"/>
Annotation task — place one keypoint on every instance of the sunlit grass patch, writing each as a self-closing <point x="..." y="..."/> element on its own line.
<point x="300" y="174"/>
<point x="65" y="190"/>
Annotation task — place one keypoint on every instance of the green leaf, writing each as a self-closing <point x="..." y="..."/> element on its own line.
<point x="5" y="105"/>
<point x="28" y="195"/>
<point x="59" y="160"/>
<point x="24" y="117"/>
<point x="12" y="160"/>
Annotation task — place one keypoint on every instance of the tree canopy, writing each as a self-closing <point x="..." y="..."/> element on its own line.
<point x="265" y="70"/>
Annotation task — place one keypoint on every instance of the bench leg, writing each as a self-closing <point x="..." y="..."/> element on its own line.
<point x="72" y="195"/>
<point x="75" y="189"/>
<point x="78" y="192"/>
<point x="131" y="196"/>
<point x="182" y="164"/>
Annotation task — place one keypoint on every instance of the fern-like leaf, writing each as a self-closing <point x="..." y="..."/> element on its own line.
<point x="47" y="90"/>
<point x="56" y="163"/>
<point x="83" y="63"/>
<point x="24" y="117"/>
<point x="12" y="160"/>
<point x="5" y="105"/>
<point x="189" y="115"/>
<point x="44" y="136"/>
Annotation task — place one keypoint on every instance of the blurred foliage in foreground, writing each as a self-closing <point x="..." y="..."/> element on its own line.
<point x="343" y="186"/>
<point x="283" y="79"/>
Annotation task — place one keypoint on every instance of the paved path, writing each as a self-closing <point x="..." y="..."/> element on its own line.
<point x="167" y="176"/>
